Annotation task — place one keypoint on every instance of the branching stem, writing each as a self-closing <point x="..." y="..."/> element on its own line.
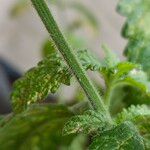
<point x="69" y="56"/>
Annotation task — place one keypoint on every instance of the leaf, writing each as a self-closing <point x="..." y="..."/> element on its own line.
<point x="134" y="113"/>
<point x="110" y="60"/>
<point x="46" y="78"/>
<point x="137" y="30"/>
<point x="130" y="74"/>
<point x="126" y="84"/>
<point x="88" y="123"/>
<point x="124" y="136"/>
<point x="19" y="7"/>
<point x="38" y="82"/>
<point x="89" y="61"/>
<point x="48" y="48"/>
<point x="140" y="116"/>
<point x="39" y="127"/>
<point x="78" y="143"/>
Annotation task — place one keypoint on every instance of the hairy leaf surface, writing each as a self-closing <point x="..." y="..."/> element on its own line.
<point x="39" y="127"/>
<point x="87" y="123"/>
<point x="124" y="136"/>
<point x="140" y="116"/>
<point x="38" y="82"/>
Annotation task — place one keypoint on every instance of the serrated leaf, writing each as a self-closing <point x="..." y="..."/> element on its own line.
<point x="137" y="30"/>
<point x="124" y="136"/>
<point x="131" y="75"/>
<point x="134" y="114"/>
<point x="127" y="84"/>
<point x="88" y="123"/>
<point x="38" y="82"/>
<point x="39" y="127"/>
<point x="133" y="81"/>
<point x="110" y="60"/>
<point x="89" y="61"/>
<point x="140" y="116"/>
<point x="46" y="78"/>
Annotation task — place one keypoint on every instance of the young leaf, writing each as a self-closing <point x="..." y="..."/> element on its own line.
<point x="124" y="136"/>
<point x="87" y="123"/>
<point x="124" y="75"/>
<point x="89" y="61"/>
<point x="134" y="113"/>
<point x="110" y="60"/>
<point x="48" y="48"/>
<point x="39" y="127"/>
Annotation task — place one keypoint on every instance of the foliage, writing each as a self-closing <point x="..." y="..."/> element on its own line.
<point x="136" y="29"/>
<point x="88" y="123"/>
<point x="124" y="136"/>
<point x="40" y="126"/>
<point x="140" y="116"/>
<point x="32" y="128"/>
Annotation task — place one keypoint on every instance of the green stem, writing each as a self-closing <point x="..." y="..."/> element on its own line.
<point x="107" y="96"/>
<point x="69" y="56"/>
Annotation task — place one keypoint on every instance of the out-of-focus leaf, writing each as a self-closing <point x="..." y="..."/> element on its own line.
<point x="19" y="7"/>
<point x="137" y="30"/>
<point x="110" y="60"/>
<point x="124" y="136"/>
<point x="79" y="7"/>
<point x="39" y="127"/>
<point x="78" y="143"/>
<point x="48" y="48"/>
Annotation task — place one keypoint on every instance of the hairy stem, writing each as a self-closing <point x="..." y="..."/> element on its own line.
<point x="69" y="55"/>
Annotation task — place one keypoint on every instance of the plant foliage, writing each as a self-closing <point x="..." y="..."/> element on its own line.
<point x="99" y="128"/>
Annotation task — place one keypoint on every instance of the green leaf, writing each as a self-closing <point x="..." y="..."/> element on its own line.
<point x="135" y="114"/>
<point x="110" y="60"/>
<point x="19" y="7"/>
<point x="133" y="82"/>
<point x="78" y="143"/>
<point x="48" y="48"/>
<point x="140" y="116"/>
<point x="129" y="74"/>
<point x="124" y="136"/>
<point x="126" y="76"/>
<point x="89" y="61"/>
<point x="38" y="82"/>
<point x="137" y="30"/>
<point x="88" y="123"/>
<point x="39" y="127"/>
<point x="136" y="87"/>
<point x="47" y="77"/>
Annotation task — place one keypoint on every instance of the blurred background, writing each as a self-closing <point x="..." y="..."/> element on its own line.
<point x="86" y="24"/>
